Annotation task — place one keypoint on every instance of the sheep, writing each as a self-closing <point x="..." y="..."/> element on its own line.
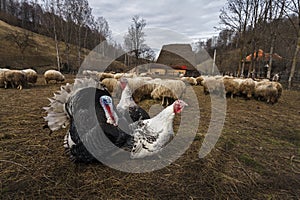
<point x="276" y="78"/>
<point x="247" y="87"/>
<point x="110" y="84"/>
<point x="118" y="75"/>
<point x="232" y="86"/>
<point x="168" y="91"/>
<point x="2" y="78"/>
<point x="145" y="74"/>
<point x="31" y="75"/>
<point x="189" y="80"/>
<point x="266" y="91"/>
<point x="145" y="89"/>
<point x="129" y="75"/>
<point x="103" y="75"/>
<point x="213" y="85"/>
<point x="53" y="75"/>
<point x="14" y="78"/>
<point x="279" y="88"/>
<point x="199" y="80"/>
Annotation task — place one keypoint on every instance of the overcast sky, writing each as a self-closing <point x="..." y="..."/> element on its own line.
<point x="167" y="20"/>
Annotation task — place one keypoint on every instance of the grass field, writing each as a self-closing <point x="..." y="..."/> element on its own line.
<point x="256" y="157"/>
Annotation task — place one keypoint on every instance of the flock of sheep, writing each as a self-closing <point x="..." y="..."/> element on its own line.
<point x="166" y="90"/>
<point x="20" y="78"/>
<point x="260" y="89"/>
<point x="169" y="90"/>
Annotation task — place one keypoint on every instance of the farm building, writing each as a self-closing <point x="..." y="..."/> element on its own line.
<point x="261" y="60"/>
<point x="180" y="57"/>
<point x="160" y="69"/>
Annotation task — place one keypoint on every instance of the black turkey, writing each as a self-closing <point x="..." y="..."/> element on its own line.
<point x="88" y="108"/>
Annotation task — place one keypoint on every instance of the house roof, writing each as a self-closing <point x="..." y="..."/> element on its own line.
<point x="178" y="56"/>
<point x="262" y="56"/>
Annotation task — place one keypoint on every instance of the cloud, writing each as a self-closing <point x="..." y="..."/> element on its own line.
<point x="192" y="18"/>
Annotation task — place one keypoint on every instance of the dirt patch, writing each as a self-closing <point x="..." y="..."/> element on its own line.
<point x="256" y="157"/>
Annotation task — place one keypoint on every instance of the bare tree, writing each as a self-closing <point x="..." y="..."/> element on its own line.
<point x="53" y="8"/>
<point x="293" y="6"/>
<point x="80" y="13"/>
<point x="135" y="38"/>
<point x="276" y="11"/>
<point x="101" y="25"/>
<point x="236" y="16"/>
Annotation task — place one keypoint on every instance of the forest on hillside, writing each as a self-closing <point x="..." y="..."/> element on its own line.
<point x="248" y="27"/>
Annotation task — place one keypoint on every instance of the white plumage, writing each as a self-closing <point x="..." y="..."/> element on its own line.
<point x="151" y="135"/>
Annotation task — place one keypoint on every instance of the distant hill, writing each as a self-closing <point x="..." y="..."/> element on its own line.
<point x="40" y="55"/>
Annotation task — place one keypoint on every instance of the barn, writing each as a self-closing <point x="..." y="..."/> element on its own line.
<point x="180" y="57"/>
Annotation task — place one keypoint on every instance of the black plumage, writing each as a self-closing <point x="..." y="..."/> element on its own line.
<point x="89" y="127"/>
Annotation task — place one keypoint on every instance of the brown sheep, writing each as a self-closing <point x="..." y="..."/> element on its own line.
<point x="199" y="80"/>
<point x="189" y="80"/>
<point x="231" y="86"/>
<point x="31" y="75"/>
<point x="110" y="84"/>
<point x="15" y="78"/>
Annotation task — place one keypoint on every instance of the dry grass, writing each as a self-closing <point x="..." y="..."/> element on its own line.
<point x="257" y="156"/>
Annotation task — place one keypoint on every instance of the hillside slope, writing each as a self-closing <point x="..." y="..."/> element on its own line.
<point x="40" y="55"/>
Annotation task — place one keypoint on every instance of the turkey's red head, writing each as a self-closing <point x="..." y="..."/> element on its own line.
<point x="179" y="105"/>
<point x="123" y="82"/>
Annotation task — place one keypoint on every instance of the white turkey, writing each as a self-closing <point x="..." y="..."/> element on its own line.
<point x="127" y="106"/>
<point x="151" y="135"/>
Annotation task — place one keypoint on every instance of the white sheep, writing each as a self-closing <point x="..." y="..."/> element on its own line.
<point x="276" y="77"/>
<point x="213" y="85"/>
<point x="168" y="91"/>
<point x="53" y="75"/>
<point x="266" y="91"/>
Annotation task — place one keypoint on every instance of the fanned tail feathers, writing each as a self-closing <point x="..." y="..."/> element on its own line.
<point x="57" y="116"/>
